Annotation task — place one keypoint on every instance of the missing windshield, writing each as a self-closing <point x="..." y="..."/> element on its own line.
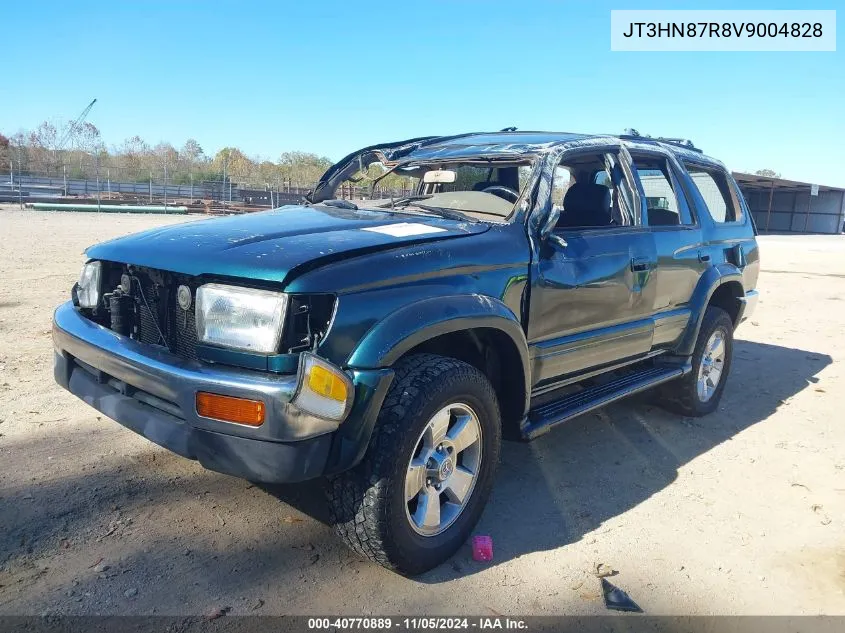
<point x="468" y="189"/>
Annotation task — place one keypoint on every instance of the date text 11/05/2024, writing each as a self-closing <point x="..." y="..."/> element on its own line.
<point x="415" y="623"/>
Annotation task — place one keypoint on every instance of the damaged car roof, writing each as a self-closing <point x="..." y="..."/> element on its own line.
<point x="494" y="143"/>
<point x="513" y="143"/>
<point x="503" y="145"/>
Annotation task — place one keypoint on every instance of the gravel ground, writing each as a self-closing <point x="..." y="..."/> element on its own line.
<point x="741" y="512"/>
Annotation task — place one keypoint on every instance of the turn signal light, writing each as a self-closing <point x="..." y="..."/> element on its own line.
<point x="324" y="390"/>
<point x="229" y="409"/>
<point x="326" y="384"/>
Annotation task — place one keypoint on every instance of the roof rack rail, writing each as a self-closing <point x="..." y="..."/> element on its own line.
<point x="631" y="133"/>
<point x="683" y="142"/>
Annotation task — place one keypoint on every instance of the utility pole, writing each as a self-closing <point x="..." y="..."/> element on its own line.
<point x="223" y="190"/>
<point x="20" y="180"/>
<point x="165" y="183"/>
<point x="97" y="158"/>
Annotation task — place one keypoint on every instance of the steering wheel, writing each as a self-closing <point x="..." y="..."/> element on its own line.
<point x="497" y="190"/>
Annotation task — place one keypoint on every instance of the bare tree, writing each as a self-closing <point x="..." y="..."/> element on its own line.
<point x="43" y="144"/>
<point x="88" y="138"/>
<point x="132" y="156"/>
<point x="193" y="151"/>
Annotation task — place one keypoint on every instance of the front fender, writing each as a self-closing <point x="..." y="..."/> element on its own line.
<point x="418" y="322"/>
<point x="709" y="282"/>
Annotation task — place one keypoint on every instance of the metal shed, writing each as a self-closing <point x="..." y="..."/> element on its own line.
<point x="789" y="206"/>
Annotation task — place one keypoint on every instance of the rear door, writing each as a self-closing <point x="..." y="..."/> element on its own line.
<point x="592" y="294"/>
<point x="728" y="231"/>
<point x="677" y="239"/>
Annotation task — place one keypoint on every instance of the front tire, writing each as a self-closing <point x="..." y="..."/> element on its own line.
<point x="699" y="392"/>
<point x="428" y="471"/>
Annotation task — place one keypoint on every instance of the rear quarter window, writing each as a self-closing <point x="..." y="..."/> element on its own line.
<point x="716" y="192"/>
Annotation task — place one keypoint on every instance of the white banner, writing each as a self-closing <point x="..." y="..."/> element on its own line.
<point x="713" y="30"/>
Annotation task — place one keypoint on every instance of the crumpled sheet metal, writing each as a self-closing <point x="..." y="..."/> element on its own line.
<point x="491" y="146"/>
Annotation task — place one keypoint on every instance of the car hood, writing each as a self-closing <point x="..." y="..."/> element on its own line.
<point x="276" y="245"/>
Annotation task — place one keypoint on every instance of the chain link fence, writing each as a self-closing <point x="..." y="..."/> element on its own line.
<point x="121" y="184"/>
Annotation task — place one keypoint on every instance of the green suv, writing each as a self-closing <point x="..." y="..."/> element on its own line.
<point x="390" y="344"/>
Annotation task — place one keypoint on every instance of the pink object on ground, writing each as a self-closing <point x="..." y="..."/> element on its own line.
<point x="482" y="548"/>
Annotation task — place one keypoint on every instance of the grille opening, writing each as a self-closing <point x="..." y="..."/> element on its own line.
<point x="157" y="319"/>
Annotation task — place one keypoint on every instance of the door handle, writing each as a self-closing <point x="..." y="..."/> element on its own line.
<point x="640" y="264"/>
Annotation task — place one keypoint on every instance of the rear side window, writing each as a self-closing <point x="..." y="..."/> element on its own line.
<point x="714" y="189"/>
<point x="658" y="185"/>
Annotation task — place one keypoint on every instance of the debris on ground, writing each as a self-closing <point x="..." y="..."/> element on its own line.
<point x="616" y="599"/>
<point x="217" y="613"/>
<point x="258" y="604"/>
<point x="603" y="570"/>
<point x="482" y="548"/>
<point x="131" y="592"/>
<point x="817" y="508"/>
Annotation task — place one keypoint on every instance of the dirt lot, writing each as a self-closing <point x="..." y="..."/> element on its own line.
<point x="742" y="512"/>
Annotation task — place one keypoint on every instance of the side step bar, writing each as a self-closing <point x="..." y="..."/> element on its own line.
<point x="549" y="415"/>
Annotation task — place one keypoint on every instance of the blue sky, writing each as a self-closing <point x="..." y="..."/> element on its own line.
<point x="329" y="77"/>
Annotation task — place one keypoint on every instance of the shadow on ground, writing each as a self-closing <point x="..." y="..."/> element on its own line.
<point x="548" y="493"/>
<point x="552" y="491"/>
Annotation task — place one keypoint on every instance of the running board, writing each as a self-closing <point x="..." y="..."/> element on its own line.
<point x="549" y="415"/>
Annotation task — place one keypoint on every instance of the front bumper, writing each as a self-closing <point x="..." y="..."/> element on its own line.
<point x="153" y="392"/>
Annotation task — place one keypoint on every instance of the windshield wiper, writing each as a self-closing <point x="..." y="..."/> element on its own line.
<point x="340" y="204"/>
<point x="444" y="212"/>
<point x="403" y="201"/>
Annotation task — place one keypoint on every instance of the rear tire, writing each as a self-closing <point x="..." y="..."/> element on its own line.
<point x="379" y="507"/>
<point x="699" y="392"/>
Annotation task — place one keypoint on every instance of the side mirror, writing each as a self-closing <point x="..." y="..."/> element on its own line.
<point x="547" y="232"/>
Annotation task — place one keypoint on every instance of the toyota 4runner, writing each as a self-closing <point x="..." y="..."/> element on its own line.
<point x="390" y="345"/>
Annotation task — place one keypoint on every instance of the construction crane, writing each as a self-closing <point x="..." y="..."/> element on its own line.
<point x="74" y="127"/>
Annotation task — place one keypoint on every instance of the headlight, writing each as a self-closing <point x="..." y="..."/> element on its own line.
<point x="241" y="318"/>
<point x="88" y="289"/>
